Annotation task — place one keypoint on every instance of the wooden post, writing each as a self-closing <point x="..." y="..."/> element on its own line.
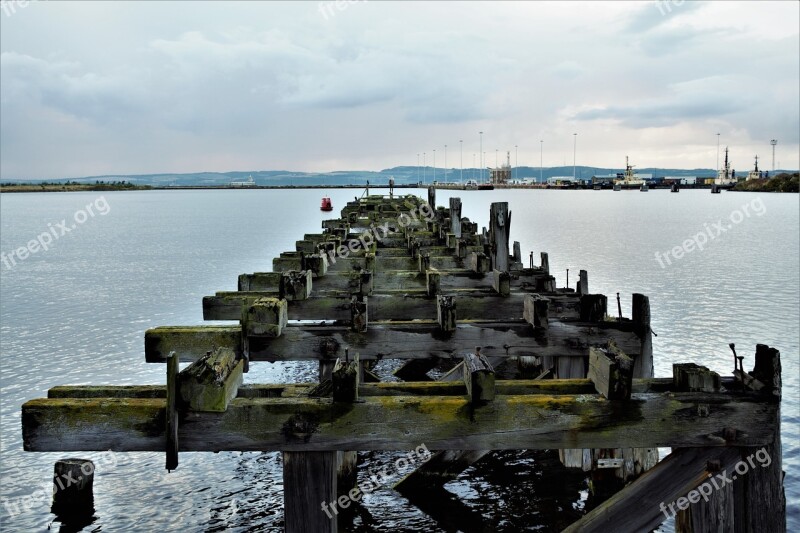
<point x="172" y="411"/>
<point x="424" y="262"/>
<point x="266" y="317"/>
<point x="536" y="310"/>
<point x="583" y="283"/>
<point x="446" y="312"/>
<point x="369" y="262"/>
<point x="640" y="308"/>
<point x="593" y="307"/>
<point x="295" y="285"/>
<point x="358" y="313"/>
<point x="501" y="282"/>
<point x="433" y="282"/>
<point x="500" y="228"/>
<point x="611" y="371"/>
<point x="689" y="377"/>
<point x="455" y="217"/>
<point x="365" y="283"/>
<point x="211" y="382"/>
<point x="345" y="381"/>
<point x="517" y="252"/>
<point x="432" y="196"/>
<point x="478" y="262"/>
<point x="72" y="489"/>
<point x="545" y="262"/>
<point x="478" y="377"/>
<point x="309" y="490"/>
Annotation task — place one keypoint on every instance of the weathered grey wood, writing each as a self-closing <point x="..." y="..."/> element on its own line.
<point x="309" y="480"/>
<point x="434" y="284"/>
<point x="501" y="282"/>
<point x="478" y="262"/>
<point x="455" y="217"/>
<point x="432" y="196"/>
<point x="295" y="285"/>
<point x="545" y="263"/>
<point x="366" y="283"/>
<point x="399" y="422"/>
<point x="359" y="314"/>
<point x="517" y="252"/>
<point x="640" y="316"/>
<point x="692" y="377"/>
<point x="443" y="466"/>
<point x="265" y="317"/>
<point x="73" y="481"/>
<point x="672" y="478"/>
<point x="347" y="472"/>
<point x="478" y="378"/>
<point x="345" y="381"/>
<point x="611" y="371"/>
<point x="593" y="307"/>
<point x="499" y="230"/>
<point x="446" y="313"/>
<point x="409" y="340"/>
<point x="767" y="369"/>
<point x="583" y="283"/>
<point x="210" y="383"/>
<point x="172" y="412"/>
<point x="536" y="310"/>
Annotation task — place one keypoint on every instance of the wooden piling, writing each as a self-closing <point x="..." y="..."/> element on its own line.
<point x="72" y="489"/>
<point x="500" y="229"/>
<point x="446" y="313"/>
<point x="309" y="490"/>
<point x="455" y="217"/>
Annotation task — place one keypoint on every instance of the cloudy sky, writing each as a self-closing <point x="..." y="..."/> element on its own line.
<point x="94" y="88"/>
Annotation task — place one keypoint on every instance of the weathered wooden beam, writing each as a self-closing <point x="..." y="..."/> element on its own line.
<point x="265" y="317"/>
<point x="642" y="505"/>
<point x="535" y="310"/>
<point x="309" y="488"/>
<point x="593" y="307"/>
<point x="611" y="371"/>
<point x="478" y="262"/>
<point x="517" y="252"/>
<point x="433" y="283"/>
<point x="394" y="340"/>
<point x="583" y="283"/>
<point x="501" y="282"/>
<point x="545" y="262"/>
<point x="478" y="378"/>
<point x="692" y="377"/>
<point x="210" y="383"/>
<point x="295" y="285"/>
<point x="400" y="422"/>
<point x="640" y="316"/>
<point x="358" y="314"/>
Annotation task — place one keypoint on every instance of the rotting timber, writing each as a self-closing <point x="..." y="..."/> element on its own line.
<point x="526" y="366"/>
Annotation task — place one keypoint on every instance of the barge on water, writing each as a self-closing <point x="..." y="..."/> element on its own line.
<point x="526" y="365"/>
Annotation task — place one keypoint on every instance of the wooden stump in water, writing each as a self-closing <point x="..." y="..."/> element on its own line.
<point x="72" y="489"/>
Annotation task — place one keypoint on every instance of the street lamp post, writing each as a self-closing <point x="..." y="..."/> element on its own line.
<point x="424" y="167"/>
<point x="417" y="168"/>
<point x="434" y="165"/>
<point x="541" y="149"/>
<point x="574" y="152"/>
<point x="480" y="175"/>
<point x="773" y="142"/>
<point x="445" y="162"/>
<point x="461" y="148"/>
<point x="717" y="153"/>
<point x="516" y="161"/>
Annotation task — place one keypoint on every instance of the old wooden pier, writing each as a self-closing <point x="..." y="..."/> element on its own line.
<point x="522" y="364"/>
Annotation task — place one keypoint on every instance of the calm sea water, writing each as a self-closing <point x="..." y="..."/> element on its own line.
<point x="76" y="314"/>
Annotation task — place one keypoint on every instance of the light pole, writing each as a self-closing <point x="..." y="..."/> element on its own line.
<point x="516" y="161"/>
<point x="773" y="142"/>
<point x="417" y="168"/>
<point x="473" y="164"/>
<point x="461" y="148"/>
<point x="434" y="165"/>
<point x="717" y="153"/>
<point x="495" y="158"/>
<point x="541" y="149"/>
<point x="445" y="162"/>
<point x="574" y="151"/>
<point x="480" y="175"/>
<point x="424" y="167"/>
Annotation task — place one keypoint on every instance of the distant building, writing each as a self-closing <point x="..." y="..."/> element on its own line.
<point x="725" y="176"/>
<point x="502" y="174"/>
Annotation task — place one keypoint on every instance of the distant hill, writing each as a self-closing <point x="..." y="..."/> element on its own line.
<point x="401" y="174"/>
